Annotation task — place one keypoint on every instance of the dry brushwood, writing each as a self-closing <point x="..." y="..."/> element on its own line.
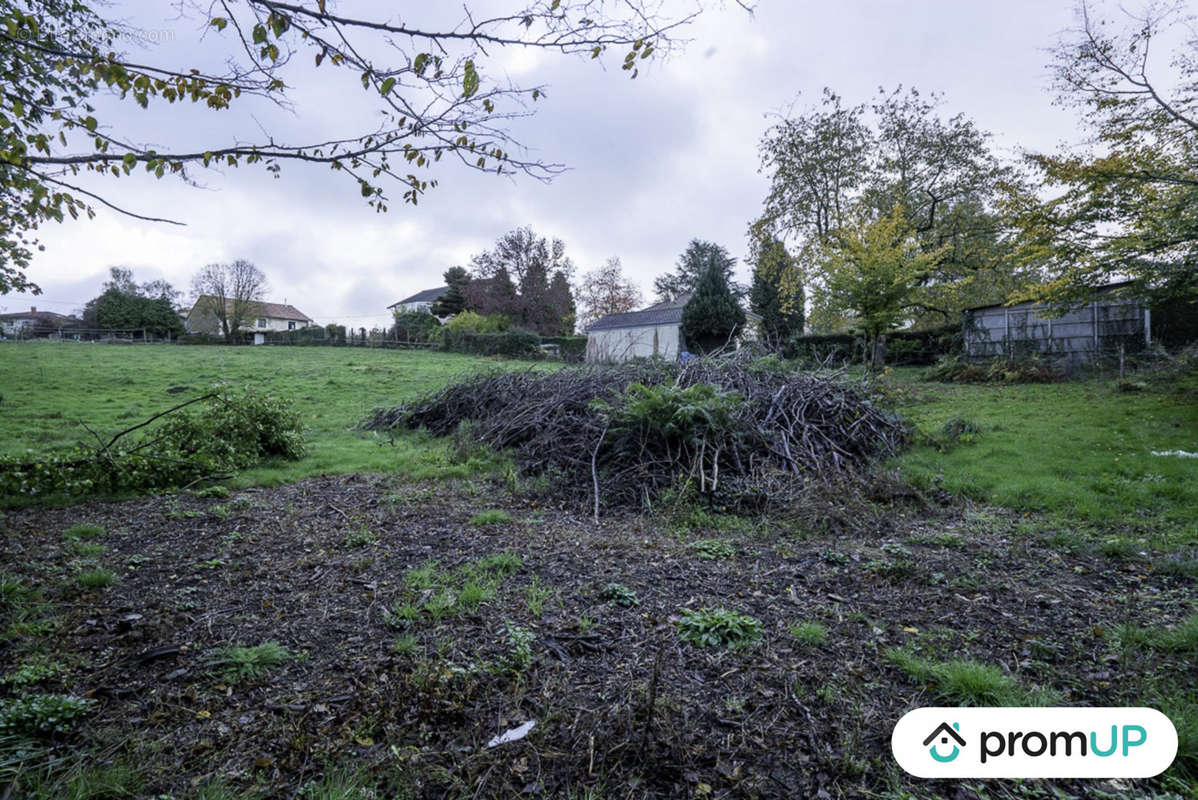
<point x="620" y="435"/>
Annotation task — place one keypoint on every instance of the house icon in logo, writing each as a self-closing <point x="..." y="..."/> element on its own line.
<point x="944" y="732"/>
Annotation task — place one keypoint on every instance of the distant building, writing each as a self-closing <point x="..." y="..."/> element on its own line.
<point x="421" y="301"/>
<point x="261" y="317"/>
<point x="652" y="331"/>
<point x="1099" y="327"/>
<point x="31" y="323"/>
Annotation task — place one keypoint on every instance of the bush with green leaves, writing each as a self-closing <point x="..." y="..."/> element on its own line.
<point x="42" y="714"/>
<point x="718" y="627"/>
<point x="225" y="431"/>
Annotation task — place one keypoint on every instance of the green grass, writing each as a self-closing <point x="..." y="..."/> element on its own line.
<point x="83" y="531"/>
<point x="969" y="683"/>
<point x="493" y="516"/>
<point x="53" y="388"/>
<point x="1182" y="638"/>
<point x="810" y="634"/>
<point x="97" y="578"/>
<point x="238" y="663"/>
<point x="1079" y="450"/>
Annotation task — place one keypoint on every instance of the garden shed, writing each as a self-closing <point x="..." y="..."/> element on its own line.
<point x="1100" y="327"/>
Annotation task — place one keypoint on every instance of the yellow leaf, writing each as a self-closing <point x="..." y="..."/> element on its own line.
<point x="910" y="629"/>
<point x="203" y="714"/>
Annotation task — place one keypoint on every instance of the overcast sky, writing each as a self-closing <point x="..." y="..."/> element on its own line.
<point x="653" y="162"/>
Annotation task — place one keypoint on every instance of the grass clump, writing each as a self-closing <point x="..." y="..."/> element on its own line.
<point x="1182" y="638"/>
<point x="810" y="634"/>
<point x="213" y="492"/>
<point x="499" y="564"/>
<point x="718" y="627"/>
<point x="84" y="530"/>
<point x="713" y="549"/>
<point x="404" y="644"/>
<point x="493" y="516"/>
<point x="968" y="683"/>
<point x="237" y="663"/>
<point x="98" y="578"/>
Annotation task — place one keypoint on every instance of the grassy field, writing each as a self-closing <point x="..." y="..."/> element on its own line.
<point x="50" y="390"/>
<point x="1079" y="452"/>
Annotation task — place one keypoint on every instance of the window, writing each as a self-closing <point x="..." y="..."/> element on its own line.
<point x="261" y="322"/>
<point x="291" y="325"/>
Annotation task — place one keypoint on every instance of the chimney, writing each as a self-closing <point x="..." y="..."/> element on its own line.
<point x="33" y="309"/>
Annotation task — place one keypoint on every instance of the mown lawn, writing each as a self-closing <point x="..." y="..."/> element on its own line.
<point x="1080" y="452"/>
<point x="50" y="391"/>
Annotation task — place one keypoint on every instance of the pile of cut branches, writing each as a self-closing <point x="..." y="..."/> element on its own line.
<point x="726" y="427"/>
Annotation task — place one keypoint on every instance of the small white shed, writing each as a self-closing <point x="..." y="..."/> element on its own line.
<point x="652" y="331"/>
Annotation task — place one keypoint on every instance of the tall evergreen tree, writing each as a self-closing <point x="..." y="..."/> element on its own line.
<point x="698" y="256"/>
<point x="454" y="300"/>
<point x="712" y="317"/>
<point x="777" y="291"/>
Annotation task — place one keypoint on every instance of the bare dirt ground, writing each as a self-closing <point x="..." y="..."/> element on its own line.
<point x="623" y="706"/>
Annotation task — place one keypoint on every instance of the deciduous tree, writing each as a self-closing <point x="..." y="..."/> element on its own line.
<point x="606" y="291"/>
<point x="873" y="269"/>
<point x="1127" y="206"/>
<point x="229" y="292"/>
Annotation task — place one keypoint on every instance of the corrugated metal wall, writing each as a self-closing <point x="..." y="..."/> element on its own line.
<point x="1098" y="328"/>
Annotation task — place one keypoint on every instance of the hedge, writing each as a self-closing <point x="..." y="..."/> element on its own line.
<point x="903" y="348"/>
<point x="571" y="348"/>
<point x="515" y="343"/>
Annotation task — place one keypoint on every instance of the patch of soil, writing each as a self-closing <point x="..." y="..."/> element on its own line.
<point x="318" y="565"/>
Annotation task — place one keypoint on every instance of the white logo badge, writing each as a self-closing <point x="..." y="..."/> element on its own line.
<point x="1034" y="742"/>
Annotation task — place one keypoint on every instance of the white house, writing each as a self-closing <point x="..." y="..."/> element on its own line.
<point x="260" y="318"/>
<point x="35" y="323"/>
<point x="421" y="301"/>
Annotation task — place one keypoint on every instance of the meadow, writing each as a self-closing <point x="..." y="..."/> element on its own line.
<point x="52" y="393"/>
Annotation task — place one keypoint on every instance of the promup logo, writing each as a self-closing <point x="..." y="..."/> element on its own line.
<point x="944" y="732"/>
<point x="1034" y="742"/>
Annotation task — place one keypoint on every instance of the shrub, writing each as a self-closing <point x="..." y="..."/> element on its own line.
<point x="225" y="432"/>
<point x="956" y="369"/>
<point x="415" y="326"/>
<point x="473" y="322"/>
<point x="41" y="714"/>
<point x="571" y="349"/>
<point x="515" y="343"/>
<point x="713" y="549"/>
<point x="619" y="595"/>
<point x="718" y="627"/>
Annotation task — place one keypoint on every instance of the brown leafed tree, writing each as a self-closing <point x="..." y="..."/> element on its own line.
<point x="606" y="291"/>
<point x="229" y="292"/>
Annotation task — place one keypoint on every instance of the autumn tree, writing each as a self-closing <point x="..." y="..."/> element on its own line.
<point x="698" y="257"/>
<point x="437" y="96"/>
<point x="606" y="291"/>
<point x="873" y="269"/>
<point x="1125" y="206"/>
<point x="230" y="293"/>
<point x="828" y="163"/>
<point x="776" y="294"/>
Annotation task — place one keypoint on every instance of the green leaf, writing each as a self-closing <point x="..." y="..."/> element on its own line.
<point x="470" y="79"/>
<point x="387" y="86"/>
<point x="259" y="34"/>
<point x="129" y="160"/>
<point x="218" y="22"/>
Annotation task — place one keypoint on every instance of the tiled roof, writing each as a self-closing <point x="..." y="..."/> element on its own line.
<point x="427" y="296"/>
<point x="270" y="310"/>
<point x="639" y="319"/>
